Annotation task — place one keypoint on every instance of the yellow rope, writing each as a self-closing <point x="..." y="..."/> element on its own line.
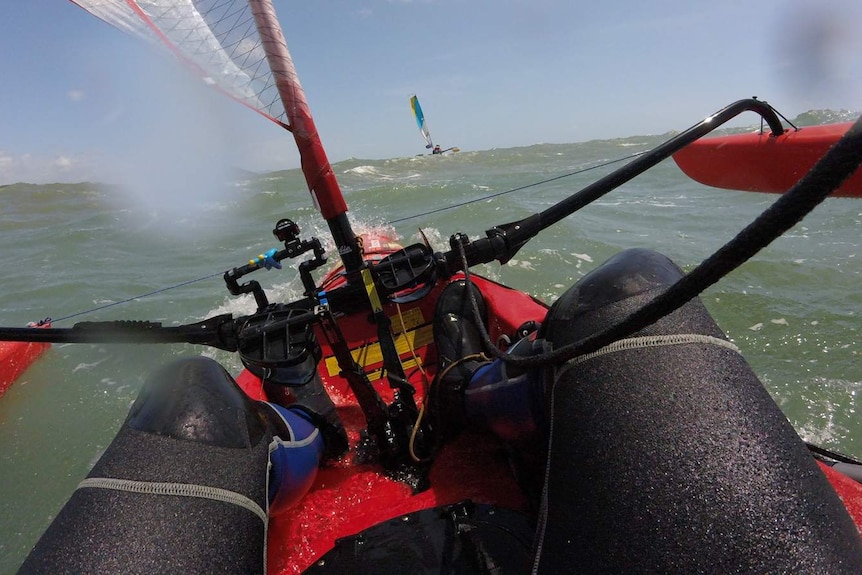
<point x="440" y="375"/>
<point x="425" y="386"/>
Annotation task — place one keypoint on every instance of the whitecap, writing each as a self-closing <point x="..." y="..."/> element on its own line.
<point x="81" y="366"/>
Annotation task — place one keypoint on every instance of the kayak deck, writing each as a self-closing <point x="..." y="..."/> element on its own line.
<point x="348" y="495"/>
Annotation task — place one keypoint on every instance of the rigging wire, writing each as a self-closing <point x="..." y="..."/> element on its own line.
<point x="518" y="189"/>
<point x="127" y="300"/>
<point x="482" y="199"/>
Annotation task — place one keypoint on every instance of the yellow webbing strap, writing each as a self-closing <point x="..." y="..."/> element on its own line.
<point x="368" y="281"/>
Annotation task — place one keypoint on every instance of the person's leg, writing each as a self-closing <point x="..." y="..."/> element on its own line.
<point x="667" y="455"/>
<point x="508" y="400"/>
<point x="473" y="390"/>
<point x="183" y="486"/>
<point x="459" y="355"/>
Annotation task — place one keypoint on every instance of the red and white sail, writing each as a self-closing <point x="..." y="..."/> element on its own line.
<point x="218" y="41"/>
<point x="237" y="47"/>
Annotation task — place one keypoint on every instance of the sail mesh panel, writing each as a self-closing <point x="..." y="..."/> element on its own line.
<point x="217" y="39"/>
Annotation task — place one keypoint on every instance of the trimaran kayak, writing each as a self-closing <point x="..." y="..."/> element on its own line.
<point x="406" y="496"/>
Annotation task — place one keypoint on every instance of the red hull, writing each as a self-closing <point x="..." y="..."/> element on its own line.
<point x="850" y="492"/>
<point x="16" y="357"/>
<point x="762" y="163"/>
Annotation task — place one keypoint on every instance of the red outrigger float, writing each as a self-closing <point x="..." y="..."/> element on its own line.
<point x="17" y="356"/>
<point x="763" y="161"/>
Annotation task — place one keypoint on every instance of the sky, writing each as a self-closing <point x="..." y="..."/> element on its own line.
<point x="81" y="101"/>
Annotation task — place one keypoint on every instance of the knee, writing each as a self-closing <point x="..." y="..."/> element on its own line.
<point x="195" y="399"/>
<point x="617" y="287"/>
<point x="628" y="273"/>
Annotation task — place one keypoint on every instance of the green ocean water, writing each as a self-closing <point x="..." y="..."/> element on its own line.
<point x="67" y="249"/>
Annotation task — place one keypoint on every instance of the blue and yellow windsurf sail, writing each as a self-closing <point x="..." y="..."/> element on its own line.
<point x="420" y="121"/>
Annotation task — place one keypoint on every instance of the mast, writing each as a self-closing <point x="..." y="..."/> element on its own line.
<point x="319" y="176"/>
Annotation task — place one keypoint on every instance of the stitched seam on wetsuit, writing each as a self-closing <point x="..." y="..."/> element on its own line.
<point x="648" y="341"/>
<point x="281" y="416"/>
<point x="542" y="527"/>
<point x="175" y="489"/>
<point x="294" y="443"/>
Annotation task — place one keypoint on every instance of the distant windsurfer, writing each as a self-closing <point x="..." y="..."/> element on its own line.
<point x="437" y="150"/>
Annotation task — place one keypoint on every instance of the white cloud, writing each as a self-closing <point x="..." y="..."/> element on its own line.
<point x="63" y="162"/>
<point x="33" y="169"/>
<point x="75" y="95"/>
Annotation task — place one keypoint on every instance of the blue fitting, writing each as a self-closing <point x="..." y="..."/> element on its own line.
<point x="268" y="260"/>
